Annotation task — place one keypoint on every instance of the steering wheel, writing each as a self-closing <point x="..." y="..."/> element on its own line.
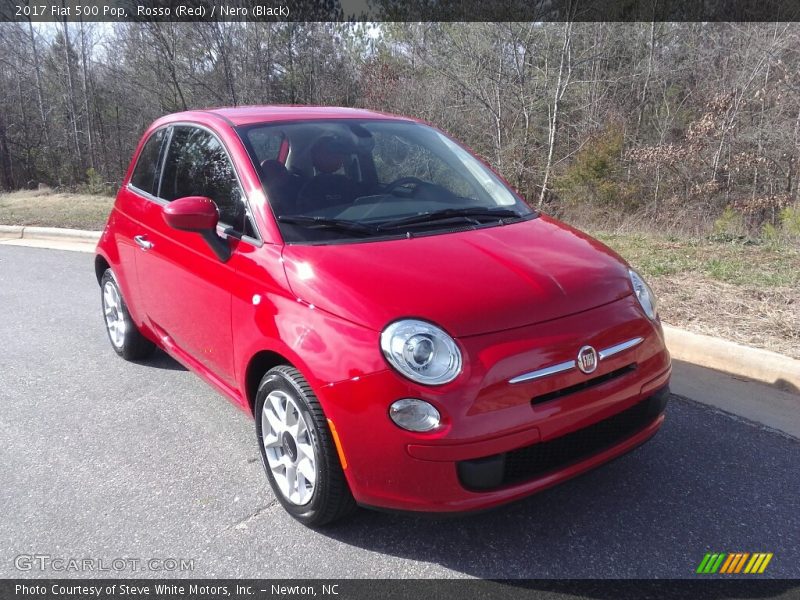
<point x="405" y="181"/>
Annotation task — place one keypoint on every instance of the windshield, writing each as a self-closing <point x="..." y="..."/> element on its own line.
<point x="342" y="180"/>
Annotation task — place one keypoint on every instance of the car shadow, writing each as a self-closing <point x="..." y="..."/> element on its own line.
<point x="653" y="513"/>
<point x="161" y="360"/>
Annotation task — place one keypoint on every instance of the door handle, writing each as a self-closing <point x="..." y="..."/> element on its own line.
<point x="142" y="242"/>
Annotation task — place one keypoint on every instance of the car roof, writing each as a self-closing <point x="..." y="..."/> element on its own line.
<point x="246" y="115"/>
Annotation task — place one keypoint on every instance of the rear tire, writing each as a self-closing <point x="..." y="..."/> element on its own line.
<point x="125" y="337"/>
<point x="297" y="450"/>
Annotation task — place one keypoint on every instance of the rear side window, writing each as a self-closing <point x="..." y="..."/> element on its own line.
<point x="197" y="165"/>
<point x="145" y="174"/>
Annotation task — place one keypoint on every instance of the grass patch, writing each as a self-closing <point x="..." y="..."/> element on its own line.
<point x="739" y="262"/>
<point x="50" y="209"/>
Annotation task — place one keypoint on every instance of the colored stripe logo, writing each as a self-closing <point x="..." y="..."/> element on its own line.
<point x="734" y="562"/>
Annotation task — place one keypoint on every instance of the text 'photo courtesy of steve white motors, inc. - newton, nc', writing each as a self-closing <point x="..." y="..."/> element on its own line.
<point x="180" y="11"/>
<point x="195" y="590"/>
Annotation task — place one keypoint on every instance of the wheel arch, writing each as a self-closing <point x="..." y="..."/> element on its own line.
<point x="257" y="366"/>
<point x="100" y="266"/>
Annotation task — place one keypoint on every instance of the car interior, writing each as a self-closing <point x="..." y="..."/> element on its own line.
<point x="323" y="169"/>
<point x="365" y="175"/>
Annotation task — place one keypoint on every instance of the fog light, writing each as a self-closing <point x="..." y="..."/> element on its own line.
<point x="414" y="415"/>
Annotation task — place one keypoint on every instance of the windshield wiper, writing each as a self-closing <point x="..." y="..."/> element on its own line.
<point x="473" y="214"/>
<point x="327" y="223"/>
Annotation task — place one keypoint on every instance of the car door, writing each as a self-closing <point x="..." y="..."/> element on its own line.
<point x="185" y="288"/>
<point x="131" y="201"/>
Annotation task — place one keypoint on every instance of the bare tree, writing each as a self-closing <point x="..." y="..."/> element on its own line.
<point x="71" y="104"/>
<point x="562" y="81"/>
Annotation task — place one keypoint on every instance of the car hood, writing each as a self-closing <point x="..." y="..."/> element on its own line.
<point x="469" y="283"/>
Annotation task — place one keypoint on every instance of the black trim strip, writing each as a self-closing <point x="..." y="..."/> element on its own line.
<point x="584" y="385"/>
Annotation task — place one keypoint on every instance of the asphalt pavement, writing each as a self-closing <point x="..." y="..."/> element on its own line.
<point x="104" y="459"/>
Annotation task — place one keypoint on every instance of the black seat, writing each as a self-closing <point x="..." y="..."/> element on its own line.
<point x="282" y="186"/>
<point x="327" y="187"/>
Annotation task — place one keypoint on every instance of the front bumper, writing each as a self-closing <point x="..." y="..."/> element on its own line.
<point x="494" y="434"/>
<point x="536" y="461"/>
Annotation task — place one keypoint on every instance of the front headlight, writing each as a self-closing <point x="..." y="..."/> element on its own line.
<point x="421" y="351"/>
<point x="644" y="294"/>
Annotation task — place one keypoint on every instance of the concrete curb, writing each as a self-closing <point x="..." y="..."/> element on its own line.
<point x="736" y="359"/>
<point x="10" y="232"/>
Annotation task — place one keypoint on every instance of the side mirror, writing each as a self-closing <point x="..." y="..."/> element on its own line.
<point x="199" y="215"/>
<point x="192" y="213"/>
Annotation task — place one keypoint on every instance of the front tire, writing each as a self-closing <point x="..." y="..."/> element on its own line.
<point x="125" y="337"/>
<point x="297" y="450"/>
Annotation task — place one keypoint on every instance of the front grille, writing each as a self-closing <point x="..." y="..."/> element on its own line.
<point x="584" y="385"/>
<point x="539" y="459"/>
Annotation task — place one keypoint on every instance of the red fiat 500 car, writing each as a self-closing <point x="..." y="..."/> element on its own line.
<point x="406" y="331"/>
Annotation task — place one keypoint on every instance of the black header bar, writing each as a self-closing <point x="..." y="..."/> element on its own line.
<point x="400" y="10"/>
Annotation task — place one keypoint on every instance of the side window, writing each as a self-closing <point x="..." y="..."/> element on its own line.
<point x="197" y="165"/>
<point x="145" y="173"/>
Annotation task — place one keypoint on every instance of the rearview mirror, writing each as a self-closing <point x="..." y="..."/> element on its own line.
<point x="198" y="214"/>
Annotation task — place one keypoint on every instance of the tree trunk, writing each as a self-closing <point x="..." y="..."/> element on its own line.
<point x="84" y="78"/>
<point x="6" y="176"/>
<point x="561" y="85"/>
<point x="42" y="112"/>
<point x="71" y="96"/>
<point x="646" y="84"/>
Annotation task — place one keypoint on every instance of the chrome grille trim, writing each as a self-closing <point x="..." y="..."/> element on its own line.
<point x="612" y="350"/>
<point x="570" y="364"/>
<point x="552" y="370"/>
